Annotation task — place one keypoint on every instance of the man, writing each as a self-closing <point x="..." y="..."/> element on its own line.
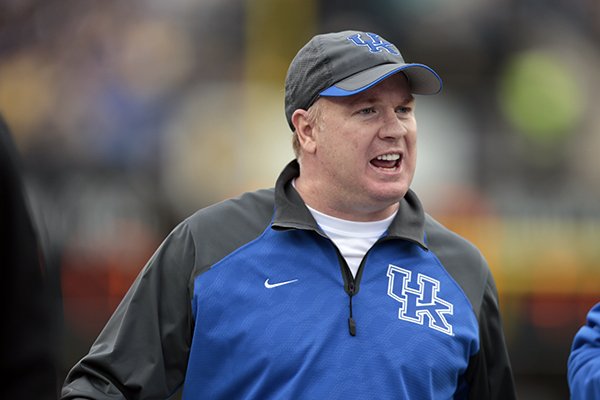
<point x="334" y="284"/>
<point x="584" y="361"/>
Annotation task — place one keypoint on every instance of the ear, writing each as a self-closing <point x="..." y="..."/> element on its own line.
<point x="305" y="131"/>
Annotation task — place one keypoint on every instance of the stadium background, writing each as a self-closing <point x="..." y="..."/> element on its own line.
<point x="130" y="115"/>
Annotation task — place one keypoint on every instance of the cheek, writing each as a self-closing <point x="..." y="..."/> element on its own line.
<point x="411" y="146"/>
<point x="411" y="137"/>
<point x="412" y="151"/>
<point x="338" y="142"/>
<point x="331" y="153"/>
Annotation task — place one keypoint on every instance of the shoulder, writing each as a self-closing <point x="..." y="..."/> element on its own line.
<point x="223" y="227"/>
<point x="589" y="334"/>
<point x="594" y="315"/>
<point x="450" y="244"/>
<point x="246" y="207"/>
<point x="463" y="260"/>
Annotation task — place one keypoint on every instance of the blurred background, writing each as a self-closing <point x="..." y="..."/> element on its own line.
<point x="130" y="115"/>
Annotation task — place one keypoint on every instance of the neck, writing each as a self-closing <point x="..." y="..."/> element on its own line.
<point x="339" y="207"/>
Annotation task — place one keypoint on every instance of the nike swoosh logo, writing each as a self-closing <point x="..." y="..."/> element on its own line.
<point x="274" y="285"/>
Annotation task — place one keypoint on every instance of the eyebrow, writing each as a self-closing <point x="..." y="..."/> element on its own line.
<point x="408" y="99"/>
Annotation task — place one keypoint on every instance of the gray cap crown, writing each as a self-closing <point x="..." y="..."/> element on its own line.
<point x="346" y="63"/>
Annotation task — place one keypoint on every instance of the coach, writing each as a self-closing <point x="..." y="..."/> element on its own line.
<point x="333" y="285"/>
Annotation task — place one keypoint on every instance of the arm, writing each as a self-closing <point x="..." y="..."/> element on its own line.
<point x="142" y="352"/>
<point x="489" y="373"/>
<point x="584" y="361"/>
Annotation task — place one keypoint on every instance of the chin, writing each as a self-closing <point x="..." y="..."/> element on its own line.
<point x="392" y="193"/>
<point x="384" y="200"/>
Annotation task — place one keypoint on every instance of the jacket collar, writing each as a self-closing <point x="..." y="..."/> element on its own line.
<point x="291" y="213"/>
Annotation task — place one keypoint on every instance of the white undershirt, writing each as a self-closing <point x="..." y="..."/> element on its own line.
<point x="352" y="238"/>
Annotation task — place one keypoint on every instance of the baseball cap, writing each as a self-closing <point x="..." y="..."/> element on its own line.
<point x="346" y="63"/>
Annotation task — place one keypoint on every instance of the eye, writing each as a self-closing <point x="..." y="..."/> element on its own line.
<point x="403" y="110"/>
<point x="367" y="110"/>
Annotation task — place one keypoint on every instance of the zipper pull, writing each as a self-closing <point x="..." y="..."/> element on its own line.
<point x="352" y="326"/>
<point x="351" y="322"/>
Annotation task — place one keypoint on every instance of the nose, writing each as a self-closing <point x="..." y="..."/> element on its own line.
<point x="393" y="126"/>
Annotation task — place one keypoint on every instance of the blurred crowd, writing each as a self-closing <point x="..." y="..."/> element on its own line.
<point x="130" y="115"/>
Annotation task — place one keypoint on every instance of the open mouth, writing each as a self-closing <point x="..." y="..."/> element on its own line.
<point x="390" y="161"/>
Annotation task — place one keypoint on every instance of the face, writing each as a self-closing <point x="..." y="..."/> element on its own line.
<point x="361" y="152"/>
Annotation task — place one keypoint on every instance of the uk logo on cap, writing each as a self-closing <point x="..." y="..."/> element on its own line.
<point x="374" y="42"/>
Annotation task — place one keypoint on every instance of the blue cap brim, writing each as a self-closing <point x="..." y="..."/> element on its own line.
<point x="422" y="80"/>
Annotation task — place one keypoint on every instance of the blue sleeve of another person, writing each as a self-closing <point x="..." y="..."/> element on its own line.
<point x="584" y="361"/>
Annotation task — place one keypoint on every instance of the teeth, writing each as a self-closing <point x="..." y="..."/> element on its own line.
<point x="389" y="157"/>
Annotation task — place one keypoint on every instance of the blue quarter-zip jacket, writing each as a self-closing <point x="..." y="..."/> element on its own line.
<point x="249" y="299"/>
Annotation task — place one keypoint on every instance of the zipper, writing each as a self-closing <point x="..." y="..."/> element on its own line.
<point x="351" y="322"/>
<point x="351" y="285"/>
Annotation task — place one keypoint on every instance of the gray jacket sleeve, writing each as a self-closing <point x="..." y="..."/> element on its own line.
<point x="142" y="352"/>
<point x="489" y="373"/>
